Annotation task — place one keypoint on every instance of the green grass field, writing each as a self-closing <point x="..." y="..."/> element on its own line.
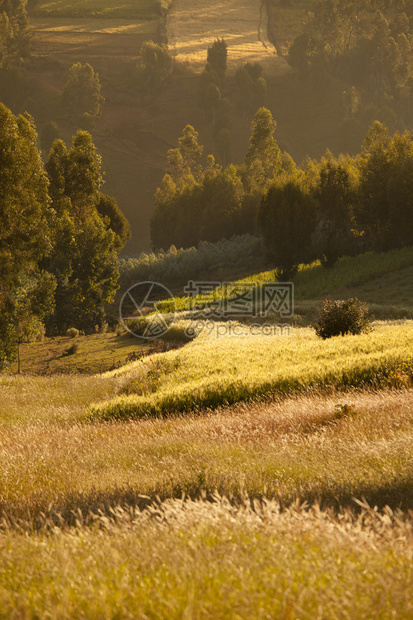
<point x="95" y="354"/>
<point x="229" y="363"/>
<point x="382" y="279"/>
<point x="130" y="9"/>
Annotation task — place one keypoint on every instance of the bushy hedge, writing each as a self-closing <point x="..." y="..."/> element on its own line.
<point x="178" y="266"/>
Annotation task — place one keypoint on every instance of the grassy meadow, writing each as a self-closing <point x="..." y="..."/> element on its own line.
<point x="242" y="475"/>
<point x="382" y="278"/>
<point x="197" y="560"/>
<point x="249" y="511"/>
<point x="252" y="472"/>
<point x="229" y="363"/>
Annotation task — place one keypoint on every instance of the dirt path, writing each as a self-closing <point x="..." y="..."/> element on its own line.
<point x="193" y="25"/>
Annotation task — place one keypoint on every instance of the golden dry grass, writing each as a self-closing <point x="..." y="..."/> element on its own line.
<point x="314" y="448"/>
<point x="212" y="560"/>
<point x="193" y="27"/>
<point x="138" y="9"/>
<point x="74" y="541"/>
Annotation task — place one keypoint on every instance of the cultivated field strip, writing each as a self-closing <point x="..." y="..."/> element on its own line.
<point x="193" y="26"/>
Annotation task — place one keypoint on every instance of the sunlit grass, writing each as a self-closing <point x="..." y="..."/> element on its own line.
<point x="228" y="366"/>
<point x="138" y="9"/>
<point x="199" y="560"/>
<point x="313" y="281"/>
<point x="313" y="448"/>
<point x="74" y="542"/>
<point x="59" y="398"/>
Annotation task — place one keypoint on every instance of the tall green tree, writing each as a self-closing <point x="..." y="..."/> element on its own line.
<point x="252" y="87"/>
<point x="156" y="63"/>
<point x="108" y="208"/>
<point x="217" y="57"/>
<point x="335" y="193"/>
<point x="15" y="34"/>
<point x="25" y="234"/>
<point x="82" y="94"/>
<point x="287" y="220"/>
<point x="24" y="203"/>
<point x="86" y="244"/>
<point x="263" y="158"/>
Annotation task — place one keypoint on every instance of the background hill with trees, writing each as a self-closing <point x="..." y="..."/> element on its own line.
<point x="319" y="100"/>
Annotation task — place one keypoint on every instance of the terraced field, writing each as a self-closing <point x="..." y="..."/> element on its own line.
<point x="136" y="9"/>
<point x="91" y="39"/>
<point x="193" y="26"/>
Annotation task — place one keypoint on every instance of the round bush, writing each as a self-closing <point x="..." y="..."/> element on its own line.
<point x="72" y="332"/>
<point x="339" y="317"/>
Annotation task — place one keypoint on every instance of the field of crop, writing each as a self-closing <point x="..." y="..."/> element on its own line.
<point x="242" y="23"/>
<point x="131" y="9"/>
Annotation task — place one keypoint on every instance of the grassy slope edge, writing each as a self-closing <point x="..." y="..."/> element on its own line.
<point x="222" y="368"/>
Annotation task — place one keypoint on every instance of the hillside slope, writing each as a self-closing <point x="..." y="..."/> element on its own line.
<point x="192" y="27"/>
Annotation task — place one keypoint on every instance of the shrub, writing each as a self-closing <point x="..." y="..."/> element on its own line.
<point x="341" y="317"/>
<point x="72" y="332"/>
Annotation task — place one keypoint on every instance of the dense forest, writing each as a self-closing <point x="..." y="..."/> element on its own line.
<point x="325" y="209"/>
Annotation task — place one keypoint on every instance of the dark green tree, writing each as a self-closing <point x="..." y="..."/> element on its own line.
<point x="24" y="203"/>
<point x="335" y="193"/>
<point x="287" y="219"/>
<point x="217" y="57"/>
<point x="82" y="94"/>
<point x="86" y="245"/>
<point x="252" y="87"/>
<point x="107" y="207"/>
<point x="263" y="158"/>
<point x="155" y="62"/>
<point x="25" y="234"/>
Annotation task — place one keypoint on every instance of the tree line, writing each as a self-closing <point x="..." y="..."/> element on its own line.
<point x="366" y="43"/>
<point x="60" y="236"/>
<point x="324" y="209"/>
<point x="14" y="32"/>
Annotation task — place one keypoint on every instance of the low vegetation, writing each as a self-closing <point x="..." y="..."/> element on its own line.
<point x="178" y="266"/>
<point x="204" y="560"/>
<point x="313" y="281"/>
<point x="229" y="363"/>
<point x="341" y="317"/>
<point x="72" y="495"/>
